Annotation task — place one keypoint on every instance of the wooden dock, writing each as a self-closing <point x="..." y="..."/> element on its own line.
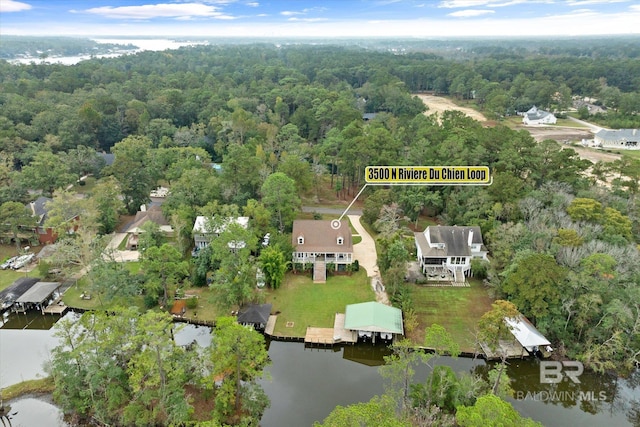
<point x="512" y="350"/>
<point x="319" y="336"/>
<point x="56" y="307"/>
<point x="342" y="334"/>
<point x="271" y="324"/>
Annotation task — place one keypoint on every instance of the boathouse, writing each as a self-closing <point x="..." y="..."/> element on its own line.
<point x="374" y="321"/>
<point x="256" y="315"/>
<point x="36" y="296"/>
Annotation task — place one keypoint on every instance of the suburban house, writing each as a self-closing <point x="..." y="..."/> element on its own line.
<point x="538" y="117"/>
<point x="445" y="252"/>
<point x="373" y="321"/>
<point x="628" y="139"/>
<point x="39" y="211"/>
<point x="153" y="214"/>
<point x="317" y="242"/>
<point x="205" y="228"/>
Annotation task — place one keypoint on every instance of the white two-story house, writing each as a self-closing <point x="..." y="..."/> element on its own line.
<point x="447" y="251"/>
<point x="206" y="228"/>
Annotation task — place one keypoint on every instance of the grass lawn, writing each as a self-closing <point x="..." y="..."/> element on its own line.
<point x="305" y="303"/>
<point x="458" y="310"/>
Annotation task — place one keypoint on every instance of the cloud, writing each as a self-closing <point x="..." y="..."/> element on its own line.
<point x="590" y="2"/>
<point x="307" y="19"/>
<point x="460" y="4"/>
<point x="290" y="13"/>
<point x="253" y="4"/>
<point x="13" y="6"/>
<point x="161" y="10"/>
<point x="468" y="13"/>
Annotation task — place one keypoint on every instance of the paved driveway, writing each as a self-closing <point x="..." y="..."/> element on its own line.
<point x="121" y="256"/>
<point x="365" y="253"/>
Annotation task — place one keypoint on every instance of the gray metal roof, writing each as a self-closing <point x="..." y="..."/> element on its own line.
<point x="619" y="134"/>
<point x="38" y="292"/>
<point x="255" y="313"/>
<point x="455" y="239"/>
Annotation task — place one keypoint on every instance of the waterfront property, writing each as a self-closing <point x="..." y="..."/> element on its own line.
<point x="374" y="321"/>
<point x="153" y="214"/>
<point x="255" y="315"/>
<point x="317" y="242"/>
<point x="527" y="340"/>
<point x="36" y="296"/>
<point x="14" y="291"/>
<point x="445" y="252"/>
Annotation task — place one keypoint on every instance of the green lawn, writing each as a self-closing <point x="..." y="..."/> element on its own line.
<point x="456" y="309"/>
<point x="305" y="303"/>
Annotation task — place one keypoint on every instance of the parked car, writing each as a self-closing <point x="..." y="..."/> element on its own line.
<point x="8" y="263"/>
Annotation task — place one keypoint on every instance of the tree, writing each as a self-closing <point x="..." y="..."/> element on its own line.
<point x="83" y="160"/>
<point x="163" y="267"/>
<point x="534" y="293"/>
<point x="238" y="356"/>
<point x="279" y="196"/>
<point x="584" y="209"/>
<point x="274" y="265"/>
<point x="132" y="167"/>
<point x="388" y="222"/>
<point x="378" y="412"/>
<point x="491" y="411"/>
<point x="14" y="217"/>
<point x="106" y="196"/>
<point x="46" y="172"/>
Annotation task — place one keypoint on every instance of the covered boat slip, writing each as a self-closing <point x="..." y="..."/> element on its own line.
<point x="9" y="295"/>
<point x="526" y="340"/>
<point x="373" y="319"/>
<point x="36" y="296"/>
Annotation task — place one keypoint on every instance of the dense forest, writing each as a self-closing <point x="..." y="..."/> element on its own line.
<point x="283" y="120"/>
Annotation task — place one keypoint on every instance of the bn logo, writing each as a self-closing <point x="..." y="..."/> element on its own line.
<point x="554" y="372"/>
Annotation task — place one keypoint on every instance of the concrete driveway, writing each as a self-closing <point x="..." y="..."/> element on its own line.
<point x="365" y="253"/>
<point x="120" y="256"/>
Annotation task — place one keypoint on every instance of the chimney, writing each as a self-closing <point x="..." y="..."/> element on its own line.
<point x="470" y="237"/>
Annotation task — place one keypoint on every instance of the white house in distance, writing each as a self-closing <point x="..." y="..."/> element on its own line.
<point x="445" y="252"/>
<point x="628" y="139"/>
<point x="318" y="243"/>
<point x="203" y="231"/>
<point x="538" y="117"/>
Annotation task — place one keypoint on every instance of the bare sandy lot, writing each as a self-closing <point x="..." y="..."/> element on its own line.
<point x="438" y="104"/>
<point x="562" y="134"/>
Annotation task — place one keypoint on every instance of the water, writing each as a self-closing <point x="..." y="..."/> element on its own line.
<point x="306" y="384"/>
<point x="30" y="412"/>
<point x="141" y="44"/>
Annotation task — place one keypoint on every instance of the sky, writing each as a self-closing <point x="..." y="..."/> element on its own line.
<point x="329" y="18"/>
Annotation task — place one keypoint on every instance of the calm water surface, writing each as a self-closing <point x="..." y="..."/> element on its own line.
<point x="305" y="384"/>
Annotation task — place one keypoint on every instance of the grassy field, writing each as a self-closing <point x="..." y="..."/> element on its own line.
<point x="457" y="309"/>
<point x="315" y="304"/>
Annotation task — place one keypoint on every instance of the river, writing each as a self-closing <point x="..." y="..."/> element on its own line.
<point x="305" y="384"/>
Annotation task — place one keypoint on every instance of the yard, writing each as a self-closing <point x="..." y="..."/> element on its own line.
<point x="458" y="310"/>
<point x="301" y="303"/>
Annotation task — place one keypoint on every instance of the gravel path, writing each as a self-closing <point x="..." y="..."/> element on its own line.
<point x="365" y="253"/>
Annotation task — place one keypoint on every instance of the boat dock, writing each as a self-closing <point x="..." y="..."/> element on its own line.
<point x="511" y="349"/>
<point x="56" y="307"/>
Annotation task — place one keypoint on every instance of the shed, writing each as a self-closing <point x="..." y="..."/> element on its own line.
<point x="256" y="315"/>
<point x="526" y="334"/>
<point x="373" y="318"/>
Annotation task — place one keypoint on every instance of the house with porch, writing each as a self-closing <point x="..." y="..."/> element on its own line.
<point x="317" y="242"/>
<point x="536" y="116"/>
<point x="627" y="139"/>
<point x="153" y="214"/>
<point x="206" y="228"/>
<point x="445" y="252"/>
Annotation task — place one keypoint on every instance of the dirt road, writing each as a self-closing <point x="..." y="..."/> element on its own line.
<point x="438" y="104"/>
